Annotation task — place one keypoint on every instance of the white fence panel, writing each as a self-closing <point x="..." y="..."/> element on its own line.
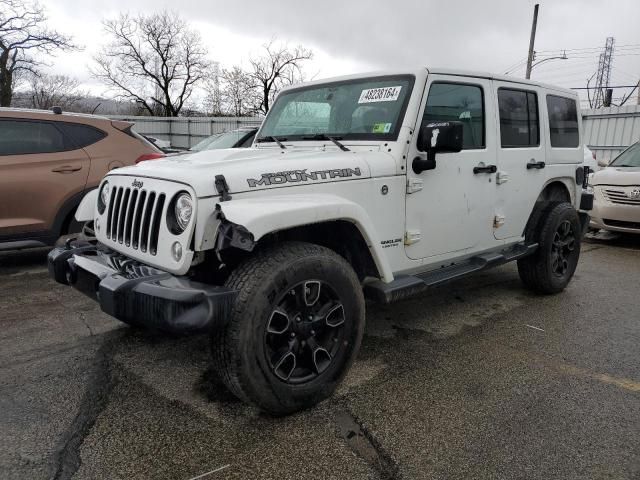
<point x="608" y="131"/>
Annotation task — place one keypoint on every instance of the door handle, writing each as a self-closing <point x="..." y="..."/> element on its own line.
<point x="485" y="169"/>
<point x="66" y="169"/>
<point x="538" y="165"/>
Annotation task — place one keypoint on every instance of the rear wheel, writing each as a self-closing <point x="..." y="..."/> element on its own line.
<point x="295" y="329"/>
<point x="558" y="234"/>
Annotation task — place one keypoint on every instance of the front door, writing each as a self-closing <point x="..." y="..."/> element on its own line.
<point x="450" y="209"/>
<point x="39" y="171"/>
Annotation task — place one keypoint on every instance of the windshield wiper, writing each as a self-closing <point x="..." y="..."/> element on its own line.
<point x="271" y="138"/>
<point x="322" y="136"/>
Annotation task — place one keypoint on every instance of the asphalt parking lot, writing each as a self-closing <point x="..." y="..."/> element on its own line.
<point x="480" y="379"/>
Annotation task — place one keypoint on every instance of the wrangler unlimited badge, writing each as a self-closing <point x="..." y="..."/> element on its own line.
<point x="292" y="176"/>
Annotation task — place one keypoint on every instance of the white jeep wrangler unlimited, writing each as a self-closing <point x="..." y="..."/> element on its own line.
<point x="379" y="185"/>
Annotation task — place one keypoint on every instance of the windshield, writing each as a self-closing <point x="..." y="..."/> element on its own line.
<point x="361" y="109"/>
<point x="629" y="158"/>
<point x="224" y="140"/>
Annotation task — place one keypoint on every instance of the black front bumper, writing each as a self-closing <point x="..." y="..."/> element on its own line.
<point x="138" y="294"/>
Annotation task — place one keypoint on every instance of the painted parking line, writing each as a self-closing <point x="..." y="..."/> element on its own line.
<point x="625" y="383"/>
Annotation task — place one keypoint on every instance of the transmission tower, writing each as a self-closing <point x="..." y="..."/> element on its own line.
<point x="603" y="73"/>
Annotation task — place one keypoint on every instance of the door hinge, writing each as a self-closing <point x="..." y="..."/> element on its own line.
<point x="414" y="185"/>
<point x="498" y="221"/>
<point x="411" y="237"/>
<point x="502" y="177"/>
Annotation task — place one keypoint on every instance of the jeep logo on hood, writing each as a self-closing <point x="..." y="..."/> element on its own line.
<point x="137" y="183"/>
<point x="293" y="176"/>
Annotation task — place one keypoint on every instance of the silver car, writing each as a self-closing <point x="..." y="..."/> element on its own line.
<point x="616" y="205"/>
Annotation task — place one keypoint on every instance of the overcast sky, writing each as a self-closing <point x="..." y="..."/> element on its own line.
<point x="350" y="36"/>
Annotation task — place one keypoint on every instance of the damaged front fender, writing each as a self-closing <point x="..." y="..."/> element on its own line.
<point x="241" y="223"/>
<point x="232" y="235"/>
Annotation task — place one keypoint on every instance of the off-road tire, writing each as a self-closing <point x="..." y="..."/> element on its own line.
<point x="537" y="270"/>
<point x="239" y="353"/>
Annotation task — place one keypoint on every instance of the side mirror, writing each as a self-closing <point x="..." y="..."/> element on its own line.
<point x="438" y="137"/>
<point x="603" y="162"/>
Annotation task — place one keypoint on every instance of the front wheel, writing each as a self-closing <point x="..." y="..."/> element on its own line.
<point x="559" y="235"/>
<point x="295" y="329"/>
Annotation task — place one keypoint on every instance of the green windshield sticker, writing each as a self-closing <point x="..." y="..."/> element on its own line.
<point x="381" y="128"/>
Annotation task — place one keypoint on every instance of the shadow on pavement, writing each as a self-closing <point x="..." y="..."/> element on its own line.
<point x="614" y="239"/>
<point x="24" y="258"/>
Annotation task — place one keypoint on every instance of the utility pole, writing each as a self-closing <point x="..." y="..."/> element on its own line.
<point x="532" y="40"/>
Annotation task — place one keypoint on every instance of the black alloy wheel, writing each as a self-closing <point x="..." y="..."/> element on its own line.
<point x="295" y="327"/>
<point x="555" y="227"/>
<point x="304" y="332"/>
<point x="562" y="249"/>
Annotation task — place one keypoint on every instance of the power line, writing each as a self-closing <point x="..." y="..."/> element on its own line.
<point x="623" y="47"/>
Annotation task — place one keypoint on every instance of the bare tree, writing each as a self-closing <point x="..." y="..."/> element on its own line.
<point x="23" y="35"/>
<point x="277" y="67"/>
<point x="155" y="60"/>
<point x="238" y="94"/>
<point x="51" y="90"/>
<point x="213" y="98"/>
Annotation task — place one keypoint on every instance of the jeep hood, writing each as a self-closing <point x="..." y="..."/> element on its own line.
<point x="263" y="168"/>
<point x="621" y="176"/>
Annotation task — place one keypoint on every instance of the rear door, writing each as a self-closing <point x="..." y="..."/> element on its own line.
<point x="450" y="209"/>
<point x="521" y="156"/>
<point x="40" y="168"/>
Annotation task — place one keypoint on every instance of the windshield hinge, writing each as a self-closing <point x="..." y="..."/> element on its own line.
<point x="222" y="188"/>
<point x="414" y="185"/>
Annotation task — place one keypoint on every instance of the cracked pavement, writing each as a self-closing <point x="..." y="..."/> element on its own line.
<point x="478" y="379"/>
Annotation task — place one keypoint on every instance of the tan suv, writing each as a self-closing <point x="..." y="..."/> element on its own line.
<point x="48" y="161"/>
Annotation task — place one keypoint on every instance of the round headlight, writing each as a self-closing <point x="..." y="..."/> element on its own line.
<point x="104" y="197"/>
<point x="183" y="210"/>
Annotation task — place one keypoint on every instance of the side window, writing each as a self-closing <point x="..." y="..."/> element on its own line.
<point x="461" y="103"/>
<point x="81" y="135"/>
<point x="563" y="122"/>
<point x="23" y="136"/>
<point x="519" y="123"/>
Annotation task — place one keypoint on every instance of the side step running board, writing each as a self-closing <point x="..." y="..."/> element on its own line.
<point x="405" y="286"/>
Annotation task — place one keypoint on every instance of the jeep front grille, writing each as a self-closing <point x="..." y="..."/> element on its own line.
<point x="134" y="218"/>
<point x="619" y="196"/>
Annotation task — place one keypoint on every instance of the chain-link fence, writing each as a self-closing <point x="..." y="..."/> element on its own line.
<point x="184" y="132"/>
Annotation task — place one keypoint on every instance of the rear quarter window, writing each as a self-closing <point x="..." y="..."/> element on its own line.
<point x="563" y="122"/>
<point x="81" y="135"/>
